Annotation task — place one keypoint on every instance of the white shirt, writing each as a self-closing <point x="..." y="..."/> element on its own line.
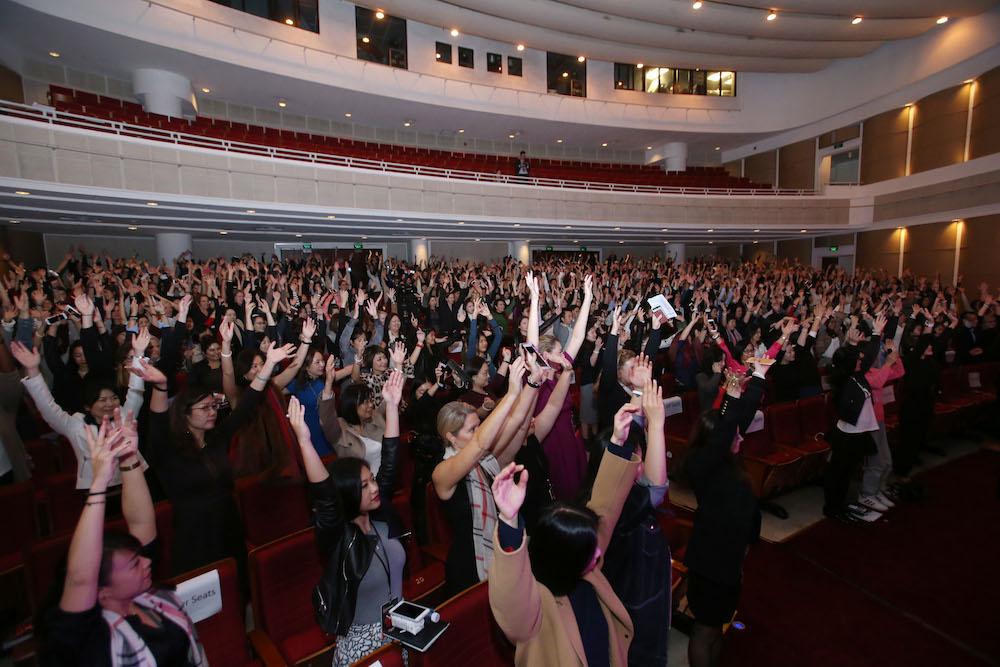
<point x="373" y="453"/>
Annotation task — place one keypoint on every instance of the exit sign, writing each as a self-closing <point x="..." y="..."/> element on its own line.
<point x="307" y="246"/>
<point x="548" y="247"/>
<point x="357" y="246"/>
<point x="833" y="248"/>
<point x="583" y="250"/>
<point x="840" y="145"/>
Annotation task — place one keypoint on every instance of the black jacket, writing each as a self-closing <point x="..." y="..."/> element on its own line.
<point x="347" y="550"/>
<point x="850" y="397"/>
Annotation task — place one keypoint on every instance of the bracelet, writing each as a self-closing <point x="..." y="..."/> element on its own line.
<point x="157" y="387"/>
<point x="97" y="493"/>
<point x="223" y="354"/>
<point x="420" y="344"/>
<point x="96" y="502"/>
<point x="263" y="379"/>
<point x="533" y="385"/>
<point x="131" y="467"/>
<point x="307" y="342"/>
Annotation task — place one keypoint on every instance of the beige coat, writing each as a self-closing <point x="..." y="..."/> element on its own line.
<point x="543" y="625"/>
<point x="344" y="441"/>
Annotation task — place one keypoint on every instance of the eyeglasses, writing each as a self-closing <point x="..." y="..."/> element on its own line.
<point x="211" y="407"/>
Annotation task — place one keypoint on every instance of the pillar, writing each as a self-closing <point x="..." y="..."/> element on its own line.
<point x="520" y="250"/>
<point x="672" y="155"/>
<point x="419" y="253"/>
<point x="164" y="92"/>
<point x="678" y="251"/>
<point x="171" y="245"/>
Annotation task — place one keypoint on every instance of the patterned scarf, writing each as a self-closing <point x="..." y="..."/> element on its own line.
<point x="484" y="510"/>
<point x="129" y="650"/>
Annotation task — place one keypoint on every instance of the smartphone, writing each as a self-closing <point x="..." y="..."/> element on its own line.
<point x="49" y="321"/>
<point x="711" y="323"/>
<point x="459" y="372"/>
<point x="74" y="311"/>
<point x="530" y="347"/>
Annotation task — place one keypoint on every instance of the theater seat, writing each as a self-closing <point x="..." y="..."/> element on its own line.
<point x="282" y="577"/>
<point x="63" y="503"/>
<point x="425" y="575"/>
<point x="271" y="509"/>
<point x="677" y="429"/>
<point x="390" y="655"/>
<point x="786" y="429"/>
<point x="772" y="467"/>
<point x="473" y="638"/>
<point x="439" y="533"/>
<point x="223" y="635"/>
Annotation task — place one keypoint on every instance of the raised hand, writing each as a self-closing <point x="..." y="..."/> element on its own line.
<point x="308" y="331"/>
<point x="515" y="375"/>
<point x="104" y="452"/>
<point x="331" y="370"/>
<point x="642" y="372"/>
<point x="297" y="418"/>
<point x="29" y="358"/>
<point x="398" y="353"/>
<point x="508" y="496"/>
<point x="84" y="305"/>
<point x="372" y="309"/>
<point x="623" y="423"/>
<point x="392" y="390"/>
<point x="652" y="404"/>
<point x="140" y="341"/>
<point x="276" y="355"/>
<point x="126" y="428"/>
<point x="421" y="337"/>
<point x="226" y="331"/>
<point x="149" y="373"/>
<point x="879" y="325"/>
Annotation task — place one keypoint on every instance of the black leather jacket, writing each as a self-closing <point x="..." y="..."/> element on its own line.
<point x="347" y="550"/>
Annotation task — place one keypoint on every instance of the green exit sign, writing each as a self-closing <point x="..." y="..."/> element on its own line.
<point x="357" y="246"/>
<point x="307" y="246"/>
<point x="548" y="247"/>
<point x="840" y="145"/>
<point x="833" y="248"/>
<point x="583" y="250"/>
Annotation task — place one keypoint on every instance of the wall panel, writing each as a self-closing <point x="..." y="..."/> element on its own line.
<point x="878" y="249"/>
<point x="939" y="125"/>
<point x="759" y="168"/>
<point x="883" y="147"/>
<point x="985" y="139"/>
<point x="796" y="250"/>
<point x="980" y="242"/>
<point x="797" y="165"/>
<point x="930" y="249"/>
<point x="734" y="168"/>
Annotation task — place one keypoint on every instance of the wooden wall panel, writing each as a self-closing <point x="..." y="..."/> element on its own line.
<point x="878" y="249"/>
<point x="980" y="242"/>
<point x="985" y="139"/>
<point x="939" y="125"/>
<point x="797" y="165"/>
<point x="759" y="168"/>
<point x="734" y="168"/>
<point x="796" y="250"/>
<point x="883" y="147"/>
<point x="759" y="252"/>
<point x="11" y="87"/>
<point x="930" y="249"/>
<point x="839" y="135"/>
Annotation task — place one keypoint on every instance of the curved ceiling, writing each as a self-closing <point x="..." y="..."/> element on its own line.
<point x="805" y="36"/>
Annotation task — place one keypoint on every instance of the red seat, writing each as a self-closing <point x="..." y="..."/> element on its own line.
<point x="439" y="532"/>
<point x="678" y="430"/>
<point x="17" y="505"/>
<point x="282" y="577"/>
<point x="423" y="578"/>
<point x="63" y="503"/>
<point x="473" y="638"/>
<point x="44" y="458"/>
<point x="786" y="429"/>
<point x="814" y="422"/>
<point x="223" y="634"/>
<point x="772" y="467"/>
<point x="271" y="509"/>
<point x="390" y="655"/>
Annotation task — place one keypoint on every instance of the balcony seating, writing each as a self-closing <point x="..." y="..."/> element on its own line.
<point x="107" y="108"/>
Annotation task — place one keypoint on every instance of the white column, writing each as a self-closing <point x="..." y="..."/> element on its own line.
<point x="171" y="245"/>
<point x="902" y="247"/>
<point x="959" y="228"/>
<point x="419" y="253"/>
<point x="520" y="251"/>
<point x="676" y="250"/>
<point x="673" y="155"/>
<point x="164" y="92"/>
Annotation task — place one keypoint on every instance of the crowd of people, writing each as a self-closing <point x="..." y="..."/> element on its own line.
<point x="172" y="381"/>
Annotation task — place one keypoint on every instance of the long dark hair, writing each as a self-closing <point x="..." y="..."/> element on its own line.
<point x="350" y="399"/>
<point x="302" y="377"/>
<point x="345" y="478"/>
<point x="180" y="409"/>
<point x="702" y="431"/>
<point x="562" y="545"/>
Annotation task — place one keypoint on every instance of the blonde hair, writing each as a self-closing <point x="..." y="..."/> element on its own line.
<point x="546" y="343"/>
<point x="451" y="418"/>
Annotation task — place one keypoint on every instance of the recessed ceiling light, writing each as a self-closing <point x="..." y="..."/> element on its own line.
<point x="710" y="230"/>
<point x="21" y="192"/>
<point x="558" y="141"/>
<point x="133" y="228"/>
<point x="718" y="148"/>
<point x="461" y="131"/>
<point x="664" y="230"/>
<point x="581" y="59"/>
<point x="250" y="210"/>
<point x="756" y="230"/>
<point x="406" y="123"/>
<point x="206" y="90"/>
<point x="802" y="231"/>
<point x="365" y="40"/>
<point x="454" y="32"/>
<point x="14" y="222"/>
<point x="298" y="236"/>
<point x="461" y="223"/>
<point x="575" y="241"/>
<point x="380" y="14"/>
<point x="618" y="229"/>
<point x="364" y="238"/>
<point x="773" y="15"/>
<point x="621" y="242"/>
<point x="756" y="241"/>
<point x="943" y="19"/>
<point x="399" y="219"/>
<point x="477" y="239"/>
<point x="54" y="54"/>
<point x="520" y="47"/>
<point x="605" y="144"/>
<point x="151" y="203"/>
<point x="223" y="233"/>
<point x="289" y="21"/>
<point x="571" y="227"/>
<point x="711" y="242"/>
<point x="510" y="136"/>
<point x="696" y="5"/>
<point x="640" y="65"/>
<point x="565" y="74"/>
<point x="347" y="115"/>
<point x="517" y="224"/>
<point x="331" y="217"/>
<point x="649" y="148"/>
<point x="857" y="20"/>
<point x="282" y="103"/>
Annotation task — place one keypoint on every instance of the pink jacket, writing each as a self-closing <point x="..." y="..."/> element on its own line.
<point x="878" y="378"/>
<point x="734" y="365"/>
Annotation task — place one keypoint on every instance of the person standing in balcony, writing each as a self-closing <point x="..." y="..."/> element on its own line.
<point x="521" y="167"/>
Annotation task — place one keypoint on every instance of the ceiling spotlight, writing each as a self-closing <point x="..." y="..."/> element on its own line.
<point x="520" y="47"/>
<point x="298" y="236"/>
<point x="406" y="123"/>
<point x="149" y="203"/>
<point x="517" y="224"/>
<point x="575" y="241"/>
<point x="365" y="40"/>
<point x="558" y="141"/>
<point x="53" y="54"/>
<point x="364" y="238"/>
<point x="130" y="228"/>
<point x="605" y="144"/>
<point x="510" y="136"/>
<point x="399" y="219"/>
<point x="250" y="210"/>
<point x="943" y="19"/>
<point x="968" y="81"/>
<point x="649" y="148"/>
<point x="25" y="192"/>
<point x="718" y="148"/>
<point x="223" y="233"/>
<point x="640" y="65"/>
<point x="461" y="223"/>
<point x="618" y="229"/>
<point x="454" y="32"/>
<point x="331" y="217"/>
<point x="756" y="230"/>
<point x="380" y="15"/>
<point x="773" y="15"/>
<point x="438" y="56"/>
<point x="664" y="230"/>
<point x="205" y="90"/>
<point x="756" y="241"/>
<point x="289" y="21"/>
<point x="857" y="20"/>
<point x="565" y="74"/>
<point x="461" y="131"/>
<point x="621" y="242"/>
<point x="282" y="103"/>
<point x="347" y="115"/>
<point x="14" y="222"/>
<point x="711" y="242"/>
<point x="696" y="5"/>
<point x="477" y="239"/>
<point x="710" y="230"/>
<point x="571" y="227"/>
<point x="802" y="231"/>
<point x="581" y="59"/>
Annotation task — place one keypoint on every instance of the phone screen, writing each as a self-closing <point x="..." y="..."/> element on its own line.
<point x="541" y="360"/>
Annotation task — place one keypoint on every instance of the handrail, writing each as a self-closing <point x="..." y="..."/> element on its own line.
<point x="54" y="117"/>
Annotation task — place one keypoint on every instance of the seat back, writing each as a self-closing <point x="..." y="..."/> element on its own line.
<point x="784" y="422"/>
<point x="951" y="384"/>
<point x="390" y="655"/>
<point x="814" y="415"/>
<point x="272" y="509"/>
<point x="438" y="527"/>
<point x="63" y="502"/>
<point x="17" y="506"/>
<point x="223" y="634"/>
<point x="282" y="577"/>
<point x="472" y="639"/>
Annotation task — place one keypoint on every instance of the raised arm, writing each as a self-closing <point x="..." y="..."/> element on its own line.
<point x="285" y="377"/>
<point x="580" y="326"/>
<point x="137" y="503"/>
<point x="533" y="314"/>
<point x="228" y="372"/>
<point x="655" y="460"/>
<point x="315" y="470"/>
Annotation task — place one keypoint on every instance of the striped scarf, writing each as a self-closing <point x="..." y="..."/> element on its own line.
<point x="484" y="510"/>
<point x="129" y="650"/>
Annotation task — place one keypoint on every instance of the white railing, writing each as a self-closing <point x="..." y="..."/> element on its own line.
<point x="56" y="118"/>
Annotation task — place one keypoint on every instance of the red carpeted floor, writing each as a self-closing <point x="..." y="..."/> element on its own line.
<point x="919" y="587"/>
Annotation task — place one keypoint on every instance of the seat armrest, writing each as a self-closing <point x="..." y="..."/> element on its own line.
<point x="264" y="647"/>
